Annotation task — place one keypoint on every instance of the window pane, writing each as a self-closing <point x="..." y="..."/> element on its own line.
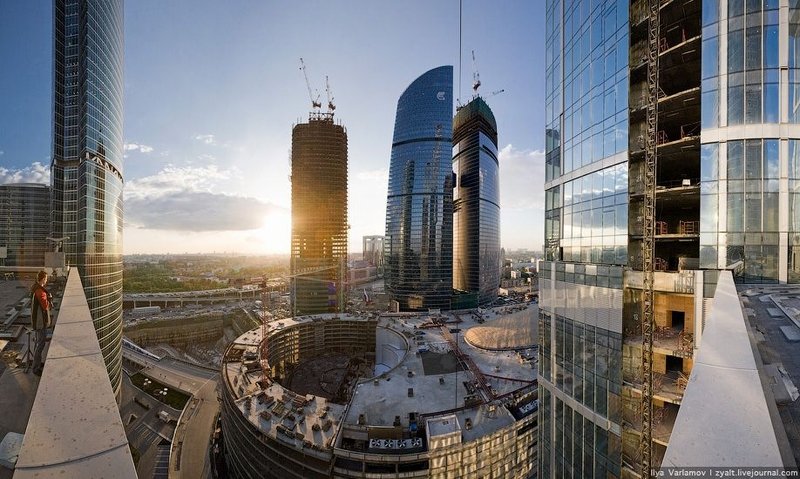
<point x="735" y="51"/>
<point x="735" y="160"/>
<point x="753" y="159"/>
<point x="735" y="212"/>
<point x="735" y="105"/>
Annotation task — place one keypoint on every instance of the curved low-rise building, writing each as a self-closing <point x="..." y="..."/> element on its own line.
<point x="395" y="396"/>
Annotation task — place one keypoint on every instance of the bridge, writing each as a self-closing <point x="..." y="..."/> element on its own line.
<point x="179" y="299"/>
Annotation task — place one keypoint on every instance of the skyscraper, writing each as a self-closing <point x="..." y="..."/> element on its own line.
<point x="476" y="202"/>
<point x="725" y="179"/>
<point x="24" y="224"/>
<point x="372" y="251"/>
<point x="419" y="208"/>
<point x="86" y="171"/>
<point x="319" y="215"/>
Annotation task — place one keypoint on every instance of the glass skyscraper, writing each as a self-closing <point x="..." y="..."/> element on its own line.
<point x="727" y="178"/>
<point x="87" y="176"/>
<point x="419" y="209"/>
<point x="24" y="224"/>
<point x="476" y="202"/>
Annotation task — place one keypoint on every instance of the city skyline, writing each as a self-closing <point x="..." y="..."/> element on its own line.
<point x="196" y="136"/>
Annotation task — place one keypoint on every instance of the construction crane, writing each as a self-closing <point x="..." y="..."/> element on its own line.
<point x="648" y="240"/>
<point x="331" y="105"/>
<point x="315" y="103"/>
<point x="476" y="77"/>
<point x="496" y="92"/>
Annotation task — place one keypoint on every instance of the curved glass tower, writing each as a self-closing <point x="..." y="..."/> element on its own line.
<point x="87" y="158"/>
<point x="476" y="202"/>
<point x="419" y="208"/>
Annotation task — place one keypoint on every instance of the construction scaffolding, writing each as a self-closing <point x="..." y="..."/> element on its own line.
<point x="664" y="195"/>
<point x="319" y="216"/>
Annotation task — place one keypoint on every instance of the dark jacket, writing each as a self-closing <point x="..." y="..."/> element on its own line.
<point x="40" y="307"/>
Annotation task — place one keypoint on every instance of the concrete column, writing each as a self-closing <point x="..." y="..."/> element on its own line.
<point x="698" y="308"/>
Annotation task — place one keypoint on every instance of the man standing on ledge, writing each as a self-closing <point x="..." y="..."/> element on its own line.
<point x="40" y="319"/>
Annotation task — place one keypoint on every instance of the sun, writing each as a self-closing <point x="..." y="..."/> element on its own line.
<point x="277" y="231"/>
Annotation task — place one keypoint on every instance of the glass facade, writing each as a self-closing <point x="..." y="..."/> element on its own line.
<point x="476" y="202"/>
<point x="87" y="177"/>
<point x="24" y="224"/>
<point x="586" y="237"/>
<point x="594" y="216"/>
<point x="750" y="139"/>
<point x="419" y="209"/>
<point x="751" y="186"/>
<point x="586" y="100"/>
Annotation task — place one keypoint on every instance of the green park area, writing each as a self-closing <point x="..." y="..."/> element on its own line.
<point x="174" y="399"/>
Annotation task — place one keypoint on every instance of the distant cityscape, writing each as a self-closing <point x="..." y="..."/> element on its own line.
<point x="653" y="334"/>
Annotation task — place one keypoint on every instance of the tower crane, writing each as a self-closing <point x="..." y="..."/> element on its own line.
<point x="315" y="103"/>
<point x="476" y="77"/>
<point x="331" y="105"/>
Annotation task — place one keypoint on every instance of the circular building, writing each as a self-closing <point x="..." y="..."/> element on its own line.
<point x="400" y="395"/>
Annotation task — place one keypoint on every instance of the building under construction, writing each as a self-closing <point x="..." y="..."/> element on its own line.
<point x="343" y="396"/>
<point x="476" y="202"/>
<point x="319" y="215"/>
<point x="668" y="141"/>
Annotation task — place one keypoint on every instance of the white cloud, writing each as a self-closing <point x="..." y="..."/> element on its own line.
<point x="2" y="152"/>
<point x="521" y="178"/>
<point x="521" y="197"/>
<point x="208" y="139"/>
<point x="35" y="173"/>
<point x="186" y="199"/>
<point x="138" y="147"/>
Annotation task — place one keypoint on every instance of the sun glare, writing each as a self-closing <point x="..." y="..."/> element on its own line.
<point x="277" y="231"/>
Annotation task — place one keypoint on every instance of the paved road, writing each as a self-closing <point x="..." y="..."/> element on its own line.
<point x="189" y="458"/>
<point x="189" y="454"/>
<point x="173" y="373"/>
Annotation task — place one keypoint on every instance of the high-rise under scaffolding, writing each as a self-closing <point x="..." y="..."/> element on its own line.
<point x="319" y="215"/>
<point x="671" y="139"/>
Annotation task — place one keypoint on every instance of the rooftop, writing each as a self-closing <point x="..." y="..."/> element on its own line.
<point x="18" y="387"/>
<point x="74" y="428"/>
<point x="417" y="371"/>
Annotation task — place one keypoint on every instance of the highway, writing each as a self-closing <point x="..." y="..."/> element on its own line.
<point x="189" y="453"/>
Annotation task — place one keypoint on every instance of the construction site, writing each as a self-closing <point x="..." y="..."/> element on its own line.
<point x="379" y="395"/>
<point x="661" y="297"/>
<point x="319" y="209"/>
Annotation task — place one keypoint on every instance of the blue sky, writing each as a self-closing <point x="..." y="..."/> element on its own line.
<point x="212" y="90"/>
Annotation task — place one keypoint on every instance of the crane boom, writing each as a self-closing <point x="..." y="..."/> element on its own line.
<point x="331" y="105"/>
<point x="476" y="77"/>
<point x="315" y="103"/>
